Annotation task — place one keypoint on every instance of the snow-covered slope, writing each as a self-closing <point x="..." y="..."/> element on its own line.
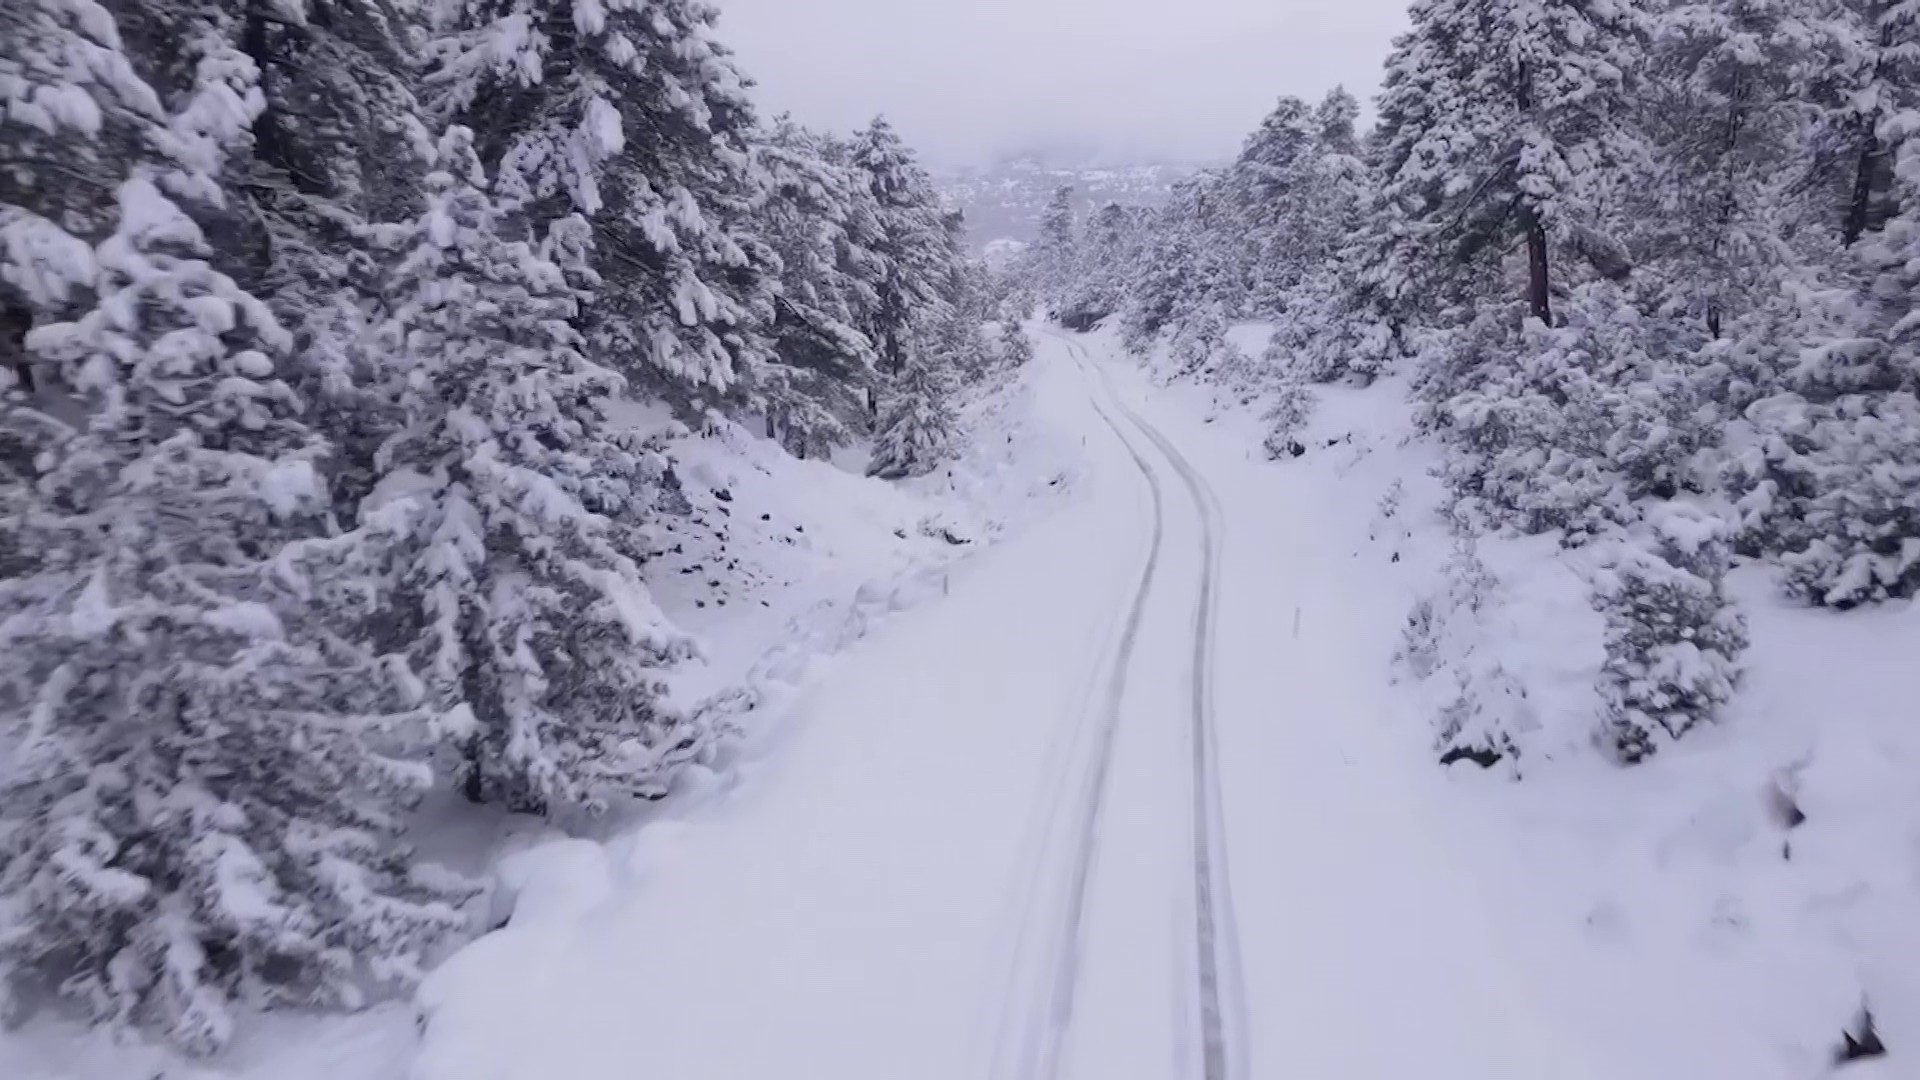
<point x="1724" y="909"/>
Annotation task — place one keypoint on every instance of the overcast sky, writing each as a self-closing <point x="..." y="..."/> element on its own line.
<point x="966" y="80"/>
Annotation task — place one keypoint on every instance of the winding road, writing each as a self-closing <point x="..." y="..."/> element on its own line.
<point x="1039" y="1025"/>
<point x="992" y="843"/>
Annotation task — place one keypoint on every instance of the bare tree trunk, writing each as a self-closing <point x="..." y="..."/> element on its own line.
<point x="474" y="788"/>
<point x="1729" y="204"/>
<point x="1863" y="183"/>
<point x="15" y="321"/>
<point x="1537" y="275"/>
<point x="1538" y="280"/>
<point x="1866" y="174"/>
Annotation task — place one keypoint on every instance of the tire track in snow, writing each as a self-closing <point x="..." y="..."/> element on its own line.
<point x="1041" y="1050"/>
<point x="1219" y="998"/>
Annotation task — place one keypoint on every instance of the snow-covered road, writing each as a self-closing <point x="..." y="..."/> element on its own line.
<point x="1121" y="805"/>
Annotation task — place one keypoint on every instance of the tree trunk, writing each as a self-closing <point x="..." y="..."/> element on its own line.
<point x="1537" y="277"/>
<point x="475" y="787"/>
<point x="1863" y="183"/>
<point x="14" y="324"/>
<point x="1538" y="280"/>
<point x="1729" y="202"/>
<point x="1866" y="174"/>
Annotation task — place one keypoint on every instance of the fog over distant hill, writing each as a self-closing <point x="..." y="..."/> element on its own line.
<point x="1003" y="201"/>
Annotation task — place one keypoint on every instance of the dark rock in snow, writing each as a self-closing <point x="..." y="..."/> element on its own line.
<point x="1479" y="755"/>
<point x="1862" y="1041"/>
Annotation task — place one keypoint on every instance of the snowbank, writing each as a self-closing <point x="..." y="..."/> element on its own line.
<point x="1726" y="908"/>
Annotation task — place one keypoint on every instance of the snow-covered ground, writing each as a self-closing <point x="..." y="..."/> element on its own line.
<point x="979" y="851"/>
<point x="1140" y="790"/>
<point x="1664" y="920"/>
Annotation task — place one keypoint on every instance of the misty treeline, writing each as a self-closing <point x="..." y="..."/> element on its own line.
<point x="319" y="317"/>
<point x="1651" y="268"/>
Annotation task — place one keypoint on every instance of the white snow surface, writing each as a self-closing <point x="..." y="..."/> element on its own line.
<point x="965" y="845"/>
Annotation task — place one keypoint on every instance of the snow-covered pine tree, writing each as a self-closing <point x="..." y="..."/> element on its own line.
<point x="635" y="117"/>
<point x="1336" y="123"/>
<point x="1504" y="121"/>
<point x="914" y="246"/>
<point x="1296" y="193"/>
<point x="205" y="763"/>
<point x="1673" y="637"/>
<point x="1110" y="254"/>
<point x="1053" y="261"/>
<point x="819" y="218"/>
<point x="1176" y="267"/>
<point x="1833" y="486"/>
<point x="1351" y="316"/>
<point x="1271" y="195"/>
<point x="507" y="507"/>
<point x="337" y="147"/>
<point x="1867" y="77"/>
<point x="1724" y="117"/>
<point x="916" y="429"/>
<point x="1016" y="348"/>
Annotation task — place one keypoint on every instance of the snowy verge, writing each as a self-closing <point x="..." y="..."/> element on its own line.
<point x="780" y="562"/>
<point x="1726" y="908"/>
<point x="811" y="559"/>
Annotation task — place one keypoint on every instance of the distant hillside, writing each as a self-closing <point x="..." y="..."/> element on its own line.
<point x="1004" y="201"/>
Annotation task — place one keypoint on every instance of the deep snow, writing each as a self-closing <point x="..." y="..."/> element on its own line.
<point x="967" y="844"/>
<point x="895" y="894"/>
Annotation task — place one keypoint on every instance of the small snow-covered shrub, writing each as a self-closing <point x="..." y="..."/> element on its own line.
<point x="1197" y="340"/>
<point x="1287" y="412"/>
<point x="1484" y="712"/>
<point x="1673" y="638"/>
<point x="1233" y="370"/>
<point x="1327" y="334"/>
<point x="1834" y="490"/>
<point x="917" y="428"/>
<point x="1086" y="306"/>
<point x="1137" y="338"/>
<point x="1016" y="348"/>
<point x="1016" y="306"/>
<point x="1481" y="722"/>
<point x="1567" y="427"/>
